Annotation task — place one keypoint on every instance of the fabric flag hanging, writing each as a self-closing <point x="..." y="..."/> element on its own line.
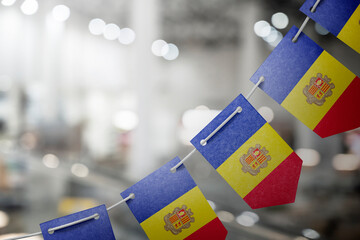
<point x="312" y="85"/>
<point x="340" y="17"/>
<point x="171" y="206"/>
<point x="95" y="228"/>
<point x="248" y="153"/>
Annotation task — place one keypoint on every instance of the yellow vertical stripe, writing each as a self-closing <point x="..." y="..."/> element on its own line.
<point x="194" y="200"/>
<point x="350" y="34"/>
<point x="231" y="169"/>
<point x="311" y="114"/>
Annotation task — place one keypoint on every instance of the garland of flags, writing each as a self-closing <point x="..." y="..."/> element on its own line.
<point x="243" y="148"/>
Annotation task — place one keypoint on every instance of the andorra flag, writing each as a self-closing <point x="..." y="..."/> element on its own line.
<point x="248" y="153"/>
<point x="171" y="206"/>
<point x="340" y="17"/>
<point x="312" y="85"/>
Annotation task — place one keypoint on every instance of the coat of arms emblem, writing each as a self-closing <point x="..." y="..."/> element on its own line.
<point x="179" y="219"/>
<point x="255" y="159"/>
<point x="318" y="89"/>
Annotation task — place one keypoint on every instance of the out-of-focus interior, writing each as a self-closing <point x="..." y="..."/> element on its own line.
<point x="95" y="95"/>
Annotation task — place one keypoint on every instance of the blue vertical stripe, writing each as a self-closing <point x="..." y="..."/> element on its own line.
<point x="286" y="65"/>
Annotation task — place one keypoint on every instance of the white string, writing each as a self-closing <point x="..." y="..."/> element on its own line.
<point x="25" y="236"/>
<point x="173" y="169"/>
<point x="203" y="142"/>
<point x="131" y="196"/>
<point x="305" y="22"/>
<point x="261" y="79"/>
<point x="95" y="216"/>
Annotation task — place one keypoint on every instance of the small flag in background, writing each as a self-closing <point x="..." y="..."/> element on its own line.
<point x="312" y="85"/>
<point x="248" y="153"/>
<point x="96" y="228"/>
<point x="340" y="17"/>
<point x="171" y="206"/>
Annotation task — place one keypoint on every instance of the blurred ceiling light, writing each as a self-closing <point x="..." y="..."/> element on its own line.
<point x="8" y="2"/>
<point x="346" y="162"/>
<point x="29" y="7"/>
<point x="280" y="20"/>
<point x="4" y="219"/>
<point x="202" y="107"/>
<point x="267" y="113"/>
<point x="96" y="26"/>
<point x="198" y="118"/>
<point x="171" y="52"/>
<point x="80" y="170"/>
<point x="111" y="31"/>
<point x="277" y="40"/>
<point x="272" y="36"/>
<point x="127" y="36"/>
<point x="225" y="216"/>
<point x="185" y="136"/>
<point x="262" y="28"/>
<point x="159" y="48"/>
<point x="50" y="161"/>
<point x="320" y="29"/>
<point x="61" y="13"/>
<point x="212" y="204"/>
<point x="310" y="157"/>
<point x="247" y="219"/>
<point x="126" y="120"/>
<point x="310" y="233"/>
<point x="193" y="121"/>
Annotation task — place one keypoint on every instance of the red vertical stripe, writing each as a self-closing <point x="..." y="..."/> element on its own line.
<point x="344" y="115"/>
<point x="279" y="187"/>
<point x="214" y="230"/>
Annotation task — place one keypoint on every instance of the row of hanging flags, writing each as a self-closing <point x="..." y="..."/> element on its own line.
<point x="247" y="152"/>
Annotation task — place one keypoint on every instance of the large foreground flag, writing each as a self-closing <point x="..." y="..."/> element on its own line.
<point x="251" y="156"/>
<point x="171" y="206"/>
<point x="312" y="85"/>
<point x="340" y="17"/>
<point x="95" y="228"/>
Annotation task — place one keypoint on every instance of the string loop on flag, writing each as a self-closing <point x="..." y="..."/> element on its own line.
<point x="94" y="216"/>
<point x="203" y="142"/>
<point x="305" y="22"/>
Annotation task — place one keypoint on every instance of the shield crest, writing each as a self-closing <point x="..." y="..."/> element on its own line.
<point x="255" y="159"/>
<point x="178" y="220"/>
<point x="318" y="89"/>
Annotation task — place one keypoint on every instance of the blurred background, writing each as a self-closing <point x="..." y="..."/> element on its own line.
<point x="95" y="95"/>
